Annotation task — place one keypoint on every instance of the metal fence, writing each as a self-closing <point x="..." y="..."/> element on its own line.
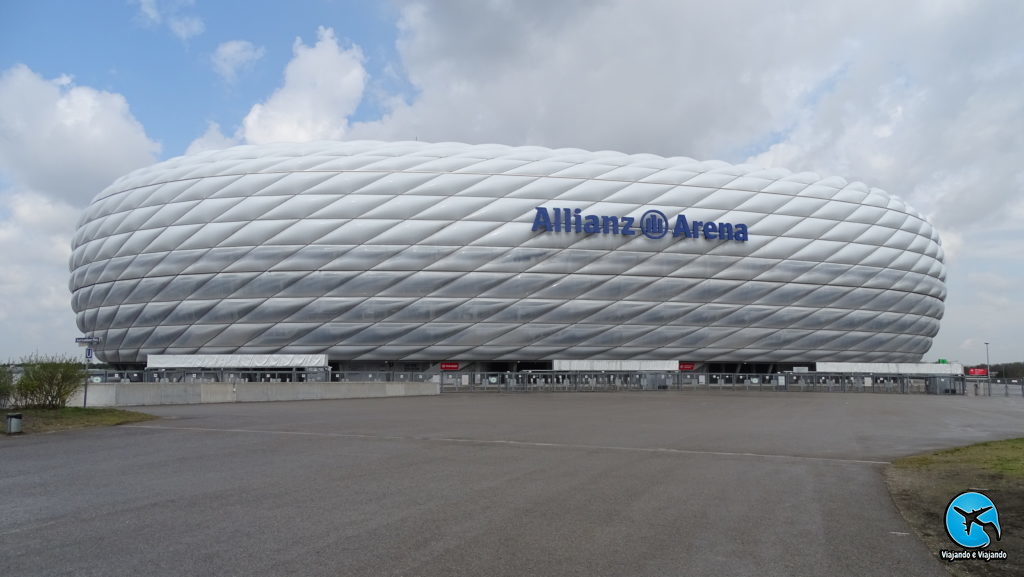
<point x="561" y="381"/>
<point x="986" y="388"/>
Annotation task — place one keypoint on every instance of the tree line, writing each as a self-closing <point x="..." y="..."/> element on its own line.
<point x="1008" y="370"/>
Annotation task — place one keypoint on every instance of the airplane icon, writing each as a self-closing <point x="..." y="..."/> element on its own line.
<point x="972" y="519"/>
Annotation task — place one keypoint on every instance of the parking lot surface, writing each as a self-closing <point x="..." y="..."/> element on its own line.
<point x="641" y="483"/>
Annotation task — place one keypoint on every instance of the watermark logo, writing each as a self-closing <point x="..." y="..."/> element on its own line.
<point x="972" y="522"/>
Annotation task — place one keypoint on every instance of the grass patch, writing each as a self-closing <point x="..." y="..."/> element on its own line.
<point x="923" y="485"/>
<point x="997" y="457"/>
<point x="47" y="420"/>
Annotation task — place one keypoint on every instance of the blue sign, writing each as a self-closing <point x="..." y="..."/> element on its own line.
<point x="972" y="520"/>
<point x="653" y="224"/>
<point x="88" y="353"/>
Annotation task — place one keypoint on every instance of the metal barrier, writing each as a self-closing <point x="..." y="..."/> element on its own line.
<point x="564" y="381"/>
<point x="559" y="381"/>
<point x="984" y="388"/>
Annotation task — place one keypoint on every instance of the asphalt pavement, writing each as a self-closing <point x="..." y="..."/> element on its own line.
<point x="639" y="483"/>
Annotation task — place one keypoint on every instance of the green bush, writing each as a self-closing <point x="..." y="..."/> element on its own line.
<point x="6" y="385"/>
<point x="48" y="382"/>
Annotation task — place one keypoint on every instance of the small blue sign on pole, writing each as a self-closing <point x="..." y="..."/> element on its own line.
<point x="88" y="353"/>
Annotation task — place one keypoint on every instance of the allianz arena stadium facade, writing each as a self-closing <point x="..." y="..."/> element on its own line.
<point x="420" y="253"/>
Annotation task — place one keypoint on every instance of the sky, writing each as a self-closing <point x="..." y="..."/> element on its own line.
<point x="923" y="98"/>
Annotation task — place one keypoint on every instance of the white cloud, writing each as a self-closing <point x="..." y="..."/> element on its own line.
<point x="212" y="139"/>
<point x="149" y="11"/>
<point x="60" y="144"/>
<point x="157" y="12"/>
<point x="952" y="243"/>
<point x="185" y="27"/>
<point x="34" y="301"/>
<point x="323" y="85"/>
<point x="66" y="141"/>
<point x="649" y="77"/>
<point x="234" y="56"/>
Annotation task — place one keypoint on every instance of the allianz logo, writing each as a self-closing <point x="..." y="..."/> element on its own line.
<point x="653" y="224"/>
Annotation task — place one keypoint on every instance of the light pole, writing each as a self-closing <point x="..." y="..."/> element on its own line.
<point x="988" y="370"/>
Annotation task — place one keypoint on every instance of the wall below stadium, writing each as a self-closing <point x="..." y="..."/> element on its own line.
<point x="131" y="394"/>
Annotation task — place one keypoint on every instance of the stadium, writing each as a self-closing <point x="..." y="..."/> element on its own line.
<point x="412" y="254"/>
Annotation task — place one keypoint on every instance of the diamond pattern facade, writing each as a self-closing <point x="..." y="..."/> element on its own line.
<point x="409" y="250"/>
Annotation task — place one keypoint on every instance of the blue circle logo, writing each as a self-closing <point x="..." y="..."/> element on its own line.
<point x="972" y="521"/>
<point x="654" y="224"/>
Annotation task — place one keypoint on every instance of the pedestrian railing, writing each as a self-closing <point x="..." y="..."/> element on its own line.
<point x="562" y="381"/>
<point x="566" y="381"/>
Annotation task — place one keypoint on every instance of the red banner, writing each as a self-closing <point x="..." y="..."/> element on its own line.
<point x="449" y="366"/>
<point x="977" y="372"/>
<point x="687" y="366"/>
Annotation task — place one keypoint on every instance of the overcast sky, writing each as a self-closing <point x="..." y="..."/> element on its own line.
<point x="924" y="99"/>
